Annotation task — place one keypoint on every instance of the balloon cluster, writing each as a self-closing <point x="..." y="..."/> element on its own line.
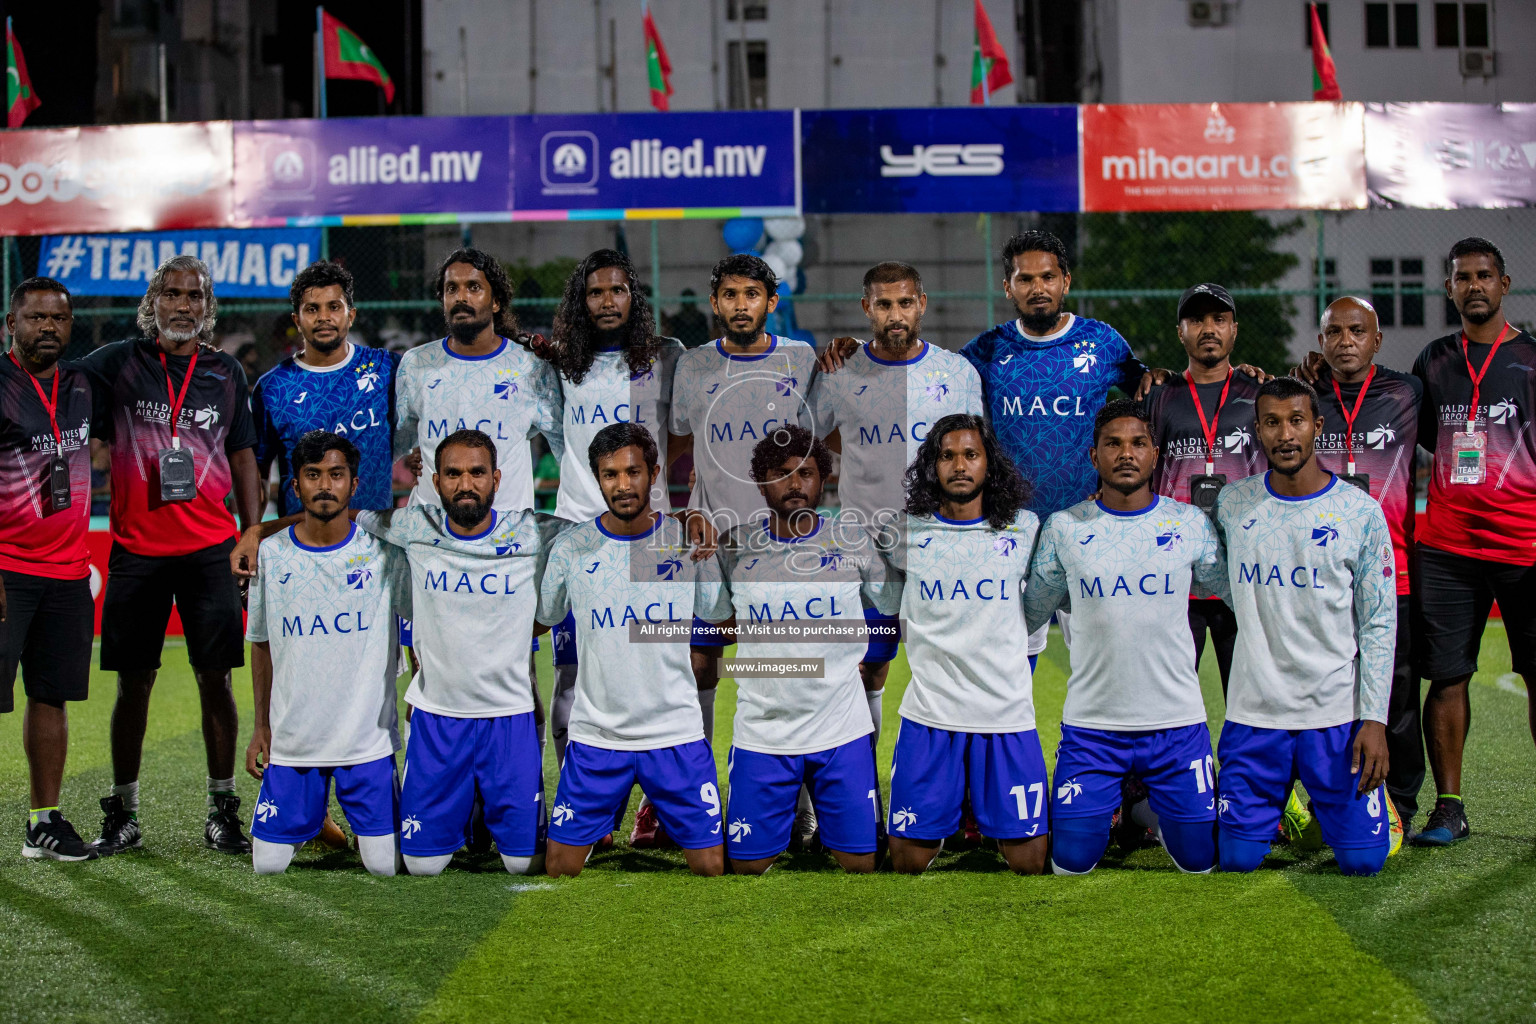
<point x="783" y="254"/>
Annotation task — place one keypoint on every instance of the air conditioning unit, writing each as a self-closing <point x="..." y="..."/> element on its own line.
<point x="1477" y="63"/>
<point x="1206" y="13"/>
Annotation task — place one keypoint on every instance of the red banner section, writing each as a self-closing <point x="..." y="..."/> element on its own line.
<point x="100" y="543"/>
<point x="126" y="178"/>
<point x="1224" y="156"/>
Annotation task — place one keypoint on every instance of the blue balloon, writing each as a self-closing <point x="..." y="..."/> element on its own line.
<point x="742" y="233"/>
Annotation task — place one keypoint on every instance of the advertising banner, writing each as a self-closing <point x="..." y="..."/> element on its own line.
<point x="141" y="177"/>
<point x="1447" y="155"/>
<point x="940" y="161"/>
<point x="254" y="264"/>
<point x="698" y="164"/>
<point x="401" y="168"/>
<point x="1224" y="156"/>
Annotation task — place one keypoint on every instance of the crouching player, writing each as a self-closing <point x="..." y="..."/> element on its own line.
<point x="323" y="648"/>
<point x="1124" y="563"/>
<point x="968" y="716"/>
<point x="796" y="572"/>
<point x="635" y="715"/>
<point x="1313" y="587"/>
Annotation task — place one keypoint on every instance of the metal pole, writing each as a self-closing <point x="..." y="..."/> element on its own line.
<point x="986" y="262"/>
<point x="165" y="100"/>
<point x="656" y="271"/>
<point x="1322" y="269"/>
<point x="320" y="58"/>
<point x="463" y="70"/>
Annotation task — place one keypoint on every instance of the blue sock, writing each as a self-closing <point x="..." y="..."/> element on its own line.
<point x="1078" y="843"/>
<point x="1033" y="660"/>
<point x="1191" y="844"/>
<point x="1365" y="862"/>
<point x="1241" y="854"/>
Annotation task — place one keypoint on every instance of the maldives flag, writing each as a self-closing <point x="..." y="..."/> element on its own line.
<point x="347" y="56"/>
<point x="20" y="98"/>
<point x="1325" y="80"/>
<point x="658" y="69"/>
<point x="989" y="61"/>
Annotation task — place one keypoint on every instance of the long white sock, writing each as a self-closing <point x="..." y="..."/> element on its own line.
<point x="129" y="791"/>
<point x="271" y="858"/>
<point x="380" y="854"/>
<point x="523" y="865"/>
<point x="876" y="700"/>
<point x="560" y="708"/>
<point x="427" y="866"/>
<point x="707" y="709"/>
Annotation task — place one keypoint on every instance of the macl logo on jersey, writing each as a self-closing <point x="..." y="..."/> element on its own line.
<point x="945" y="160"/>
<point x="506" y="384"/>
<point x="902" y="818"/>
<point x="367" y="377"/>
<point x="1300" y="577"/>
<point x="603" y="618"/>
<point x="748" y="431"/>
<point x="409" y="827"/>
<point x="937" y="392"/>
<point x="490" y="583"/>
<point x="1061" y="405"/>
<point x="962" y="590"/>
<point x="623" y="412"/>
<point x="1327" y="528"/>
<point x="1162" y="585"/>
<point x="1069" y="789"/>
<point x="739" y="830"/>
<point x="669" y="569"/>
<point x="1168" y="536"/>
<point x="340" y="623"/>
<point x="786" y="385"/>
<point x="810" y="608"/>
<point x="832" y="559"/>
<point x="266" y="810"/>
<point x="1004" y="546"/>
<point x="359" y="572"/>
<point x="878" y="433"/>
<point x="1085" y="356"/>
<point x="506" y="542"/>
<point x="562" y="813"/>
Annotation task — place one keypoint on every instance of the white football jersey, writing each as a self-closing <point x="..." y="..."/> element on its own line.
<point x="610" y="394"/>
<point x="473" y="602"/>
<point x="962" y="590"/>
<point x="328" y="618"/>
<point x="631" y="694"/>
<point x="510" y="395"/>
<point x="1126" y="577"/>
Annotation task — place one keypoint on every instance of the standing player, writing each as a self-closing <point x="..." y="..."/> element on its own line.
<point x="726" y="397"/>
<point x="968" y="717"/>
<point x="1203" y="427"/>
<point x="1310" y="566"/>
<point x="182" y="439"/>
<point x="797" y="570"/>
<point x="635" y="716"/>
<point x="323" y="648"/>
<point x="46" y="610"/>
<point x="876" y="411"/>
<point x="1370" y="429"/>
<point x="1125" y="563"/>
<point x="1477" y="543"/>
<point x="332" y="385"/>
<point x="478" y="379"/>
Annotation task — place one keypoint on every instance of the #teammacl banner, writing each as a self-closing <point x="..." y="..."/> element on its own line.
<point x="1447" y="155"/>
<point x="940" y="160"/>
<point x="380" y="166"/>
<point x="718" y="164"/>
<point x="123" y="178"/>
<point x="254" y="264"/>
<point x="1224" y="156"/>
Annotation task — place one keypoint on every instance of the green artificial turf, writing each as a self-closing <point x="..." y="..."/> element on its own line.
<point x="179" y="933"/>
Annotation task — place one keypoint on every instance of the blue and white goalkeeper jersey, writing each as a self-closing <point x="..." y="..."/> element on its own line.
<point x="883" y="410"/>
<point x="631" y="694"/>
<point x="608" y="394"/>
<point x="962" y="590"/>
<point x="328" y="617"/>
<point x="1315" y="592"/>
<point x="822" y="579"/>
<point x="1126" y="578"/>
<point x="729" y="403"/>
<point x="510" y="395"/>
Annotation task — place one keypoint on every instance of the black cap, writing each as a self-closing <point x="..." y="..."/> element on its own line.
<point x="1212" y="291"/>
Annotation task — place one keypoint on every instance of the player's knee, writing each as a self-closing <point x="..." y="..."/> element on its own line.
<point x="1077" y="844"/>
<point x="1241" y="855"/>
<point x="909" y="858"/>
<point x="380" y="854"/>
<point x="523" y="865"/>
<point x="427" y="866"/>
<point x="271" y="858"/>
<point x="1191" y="844"/>
<point x="1361" y="862"/>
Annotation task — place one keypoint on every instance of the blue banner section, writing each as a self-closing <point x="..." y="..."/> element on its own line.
<point x="605" y="162"/>
<point x="253" y="264"/>
<point x="937" y="160"/>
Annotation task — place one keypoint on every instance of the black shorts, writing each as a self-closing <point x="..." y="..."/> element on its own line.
<point x="140" y="589"/>
<point x="47" y="632"/>
<point x="1453" y="595"/>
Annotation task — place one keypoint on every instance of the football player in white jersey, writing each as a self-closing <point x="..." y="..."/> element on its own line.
<point x="1314" y="588"/>
<point x="968" y="717"/>
<point x="726" y="397"/>
<point x="1125" y="562"/>
<point x="635" y="716"/>
<point x="797" y="584"/>
<point x="876" y="410"/>
<point x="323" y="648"/>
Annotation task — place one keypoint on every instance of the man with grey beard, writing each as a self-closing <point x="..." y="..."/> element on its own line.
<point x="182" y="438"/>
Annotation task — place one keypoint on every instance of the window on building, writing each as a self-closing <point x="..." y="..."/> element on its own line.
<point x="1383" y="292"/>
<point x="1448" y="25"/>
<point x="1306" y="23"/>
<point x="748" y="83"/>
<point x="748" y="10"/>
<point x="1378" y="26"/>
<point x="1410" y="280"/>
<point x="1405" y="26"/>
<point x="1330" y="284"/>
<point x="1452" y="317"/>
<point x="1397" y="291"/>
<point x="1474" y="26"/>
